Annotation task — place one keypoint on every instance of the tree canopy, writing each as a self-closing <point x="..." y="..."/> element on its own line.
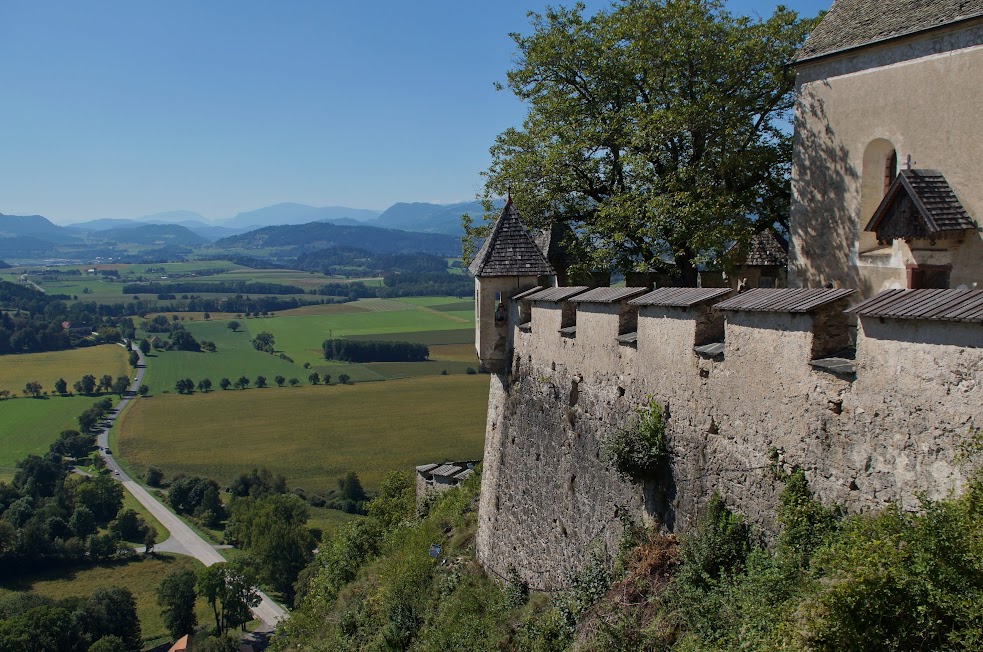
<point x="658" y="129"/>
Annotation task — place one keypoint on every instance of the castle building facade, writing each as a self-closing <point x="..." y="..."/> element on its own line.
<point x="887" y="177"/>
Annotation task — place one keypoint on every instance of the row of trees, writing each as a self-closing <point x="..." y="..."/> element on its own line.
<point x="89" y="385"/>
<point x="374" y="351"/>
<point x="188" y="386"/>
<point x="224" y="287"/>
<point x="403" y="285"/>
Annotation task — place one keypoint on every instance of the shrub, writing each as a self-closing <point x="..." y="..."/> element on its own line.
<point x="639" y="449"/>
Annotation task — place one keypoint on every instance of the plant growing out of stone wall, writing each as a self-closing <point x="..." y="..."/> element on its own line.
<point x="639" y="449"/>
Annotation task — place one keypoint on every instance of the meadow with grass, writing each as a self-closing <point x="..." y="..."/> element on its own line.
<point x="312" y="435"/>
<point x="440" y="322"/>
<point x="141" y="576"/>
<point x="29" y="425"/>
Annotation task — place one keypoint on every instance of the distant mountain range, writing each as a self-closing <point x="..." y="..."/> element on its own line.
<point x="26" y="238"/>
<point x="428" y="218"/>
<point x="417" y="216"/>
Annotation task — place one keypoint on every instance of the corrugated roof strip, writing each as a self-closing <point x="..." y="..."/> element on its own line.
<point x="783" y="300"/>
<point x="523" y="295"/>
<point x="608" y="295"/>
<point x="557" y="294"/>
<point x="943" y="305"/>
<point x="679" y="297"/>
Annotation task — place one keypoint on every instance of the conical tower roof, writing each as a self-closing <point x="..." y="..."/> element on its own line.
<point x="510" y="250"/>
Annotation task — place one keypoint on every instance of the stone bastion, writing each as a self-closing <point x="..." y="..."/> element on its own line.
<point x="874" y="408"/>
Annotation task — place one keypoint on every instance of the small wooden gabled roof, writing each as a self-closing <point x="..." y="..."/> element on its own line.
<point x="764" y="249"/>
<point x="510" y="250"/>
<point x="919" y="204"/>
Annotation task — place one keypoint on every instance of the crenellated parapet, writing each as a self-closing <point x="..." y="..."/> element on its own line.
<point x="873" y="402"/>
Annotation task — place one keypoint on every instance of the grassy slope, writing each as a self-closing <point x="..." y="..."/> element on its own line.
<point x="141" y="577"/>
<point x="313" y="435"/>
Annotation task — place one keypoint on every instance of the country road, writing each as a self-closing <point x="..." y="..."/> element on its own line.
<point x="183" y="539"/>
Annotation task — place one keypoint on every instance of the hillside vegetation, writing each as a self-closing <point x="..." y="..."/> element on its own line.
<point x="888" y="581"/>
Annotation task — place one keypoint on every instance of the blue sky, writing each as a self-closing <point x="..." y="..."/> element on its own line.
<point x="121" y="109"/>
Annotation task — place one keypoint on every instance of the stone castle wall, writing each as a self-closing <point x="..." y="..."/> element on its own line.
<point x="549" y="497"/>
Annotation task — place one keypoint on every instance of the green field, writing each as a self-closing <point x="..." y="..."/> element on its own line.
<point x="437" y="321"/>
<point x="312" y="435"/>
<point x="29" y="425"/>
<point x="300" y="336"/>
<point x="102" y="289"/>
<point x="141" y="576"/>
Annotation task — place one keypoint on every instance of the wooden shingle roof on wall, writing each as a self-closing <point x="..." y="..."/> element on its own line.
<point x="854" y="23"/>
<point x="510" y="250"/>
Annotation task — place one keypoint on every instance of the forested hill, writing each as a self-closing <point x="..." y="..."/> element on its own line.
<point x="4" y="265"/>
<point x="342" y="260"/>
<point x="166" y="234"/>
<point x="322" y="235"/>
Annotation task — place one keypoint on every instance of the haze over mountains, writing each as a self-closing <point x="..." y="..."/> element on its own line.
<point x="416" y="216"/>
<point x="419" y="226"/>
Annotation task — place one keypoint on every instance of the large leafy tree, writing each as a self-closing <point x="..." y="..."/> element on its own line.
<point x="658" y="129"/>
<point x="176" y="597"/>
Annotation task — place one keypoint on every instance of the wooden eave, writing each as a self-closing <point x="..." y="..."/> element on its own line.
<point x="951" y="221"/>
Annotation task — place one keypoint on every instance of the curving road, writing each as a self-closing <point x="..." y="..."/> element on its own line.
<point x="183" y="539"/>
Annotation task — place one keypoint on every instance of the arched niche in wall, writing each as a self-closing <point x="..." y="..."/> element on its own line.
<point x="879" y="170"/>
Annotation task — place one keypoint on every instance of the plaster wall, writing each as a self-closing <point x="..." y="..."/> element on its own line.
<point x="921" y="95"/>
<point x="549" y="497"/>
<point x="490" y="336"/>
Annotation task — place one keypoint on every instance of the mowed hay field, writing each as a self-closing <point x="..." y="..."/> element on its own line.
<point x="71" y="364"/>
<point x="313" y="435"/>
<point x="141" y="576"/>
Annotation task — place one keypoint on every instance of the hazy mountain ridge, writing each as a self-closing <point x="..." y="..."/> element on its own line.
<point x="322" y="235"/>
<point x="12" y="226"/>
<point x="428" y="218"/>
<point x="160" y="234"/>
<point x="293" y="213"/>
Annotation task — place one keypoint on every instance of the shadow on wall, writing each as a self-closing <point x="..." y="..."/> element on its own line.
<point x="823" y="227"/>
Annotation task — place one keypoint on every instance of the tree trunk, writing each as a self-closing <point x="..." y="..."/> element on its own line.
<point x="688" y="274"/>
